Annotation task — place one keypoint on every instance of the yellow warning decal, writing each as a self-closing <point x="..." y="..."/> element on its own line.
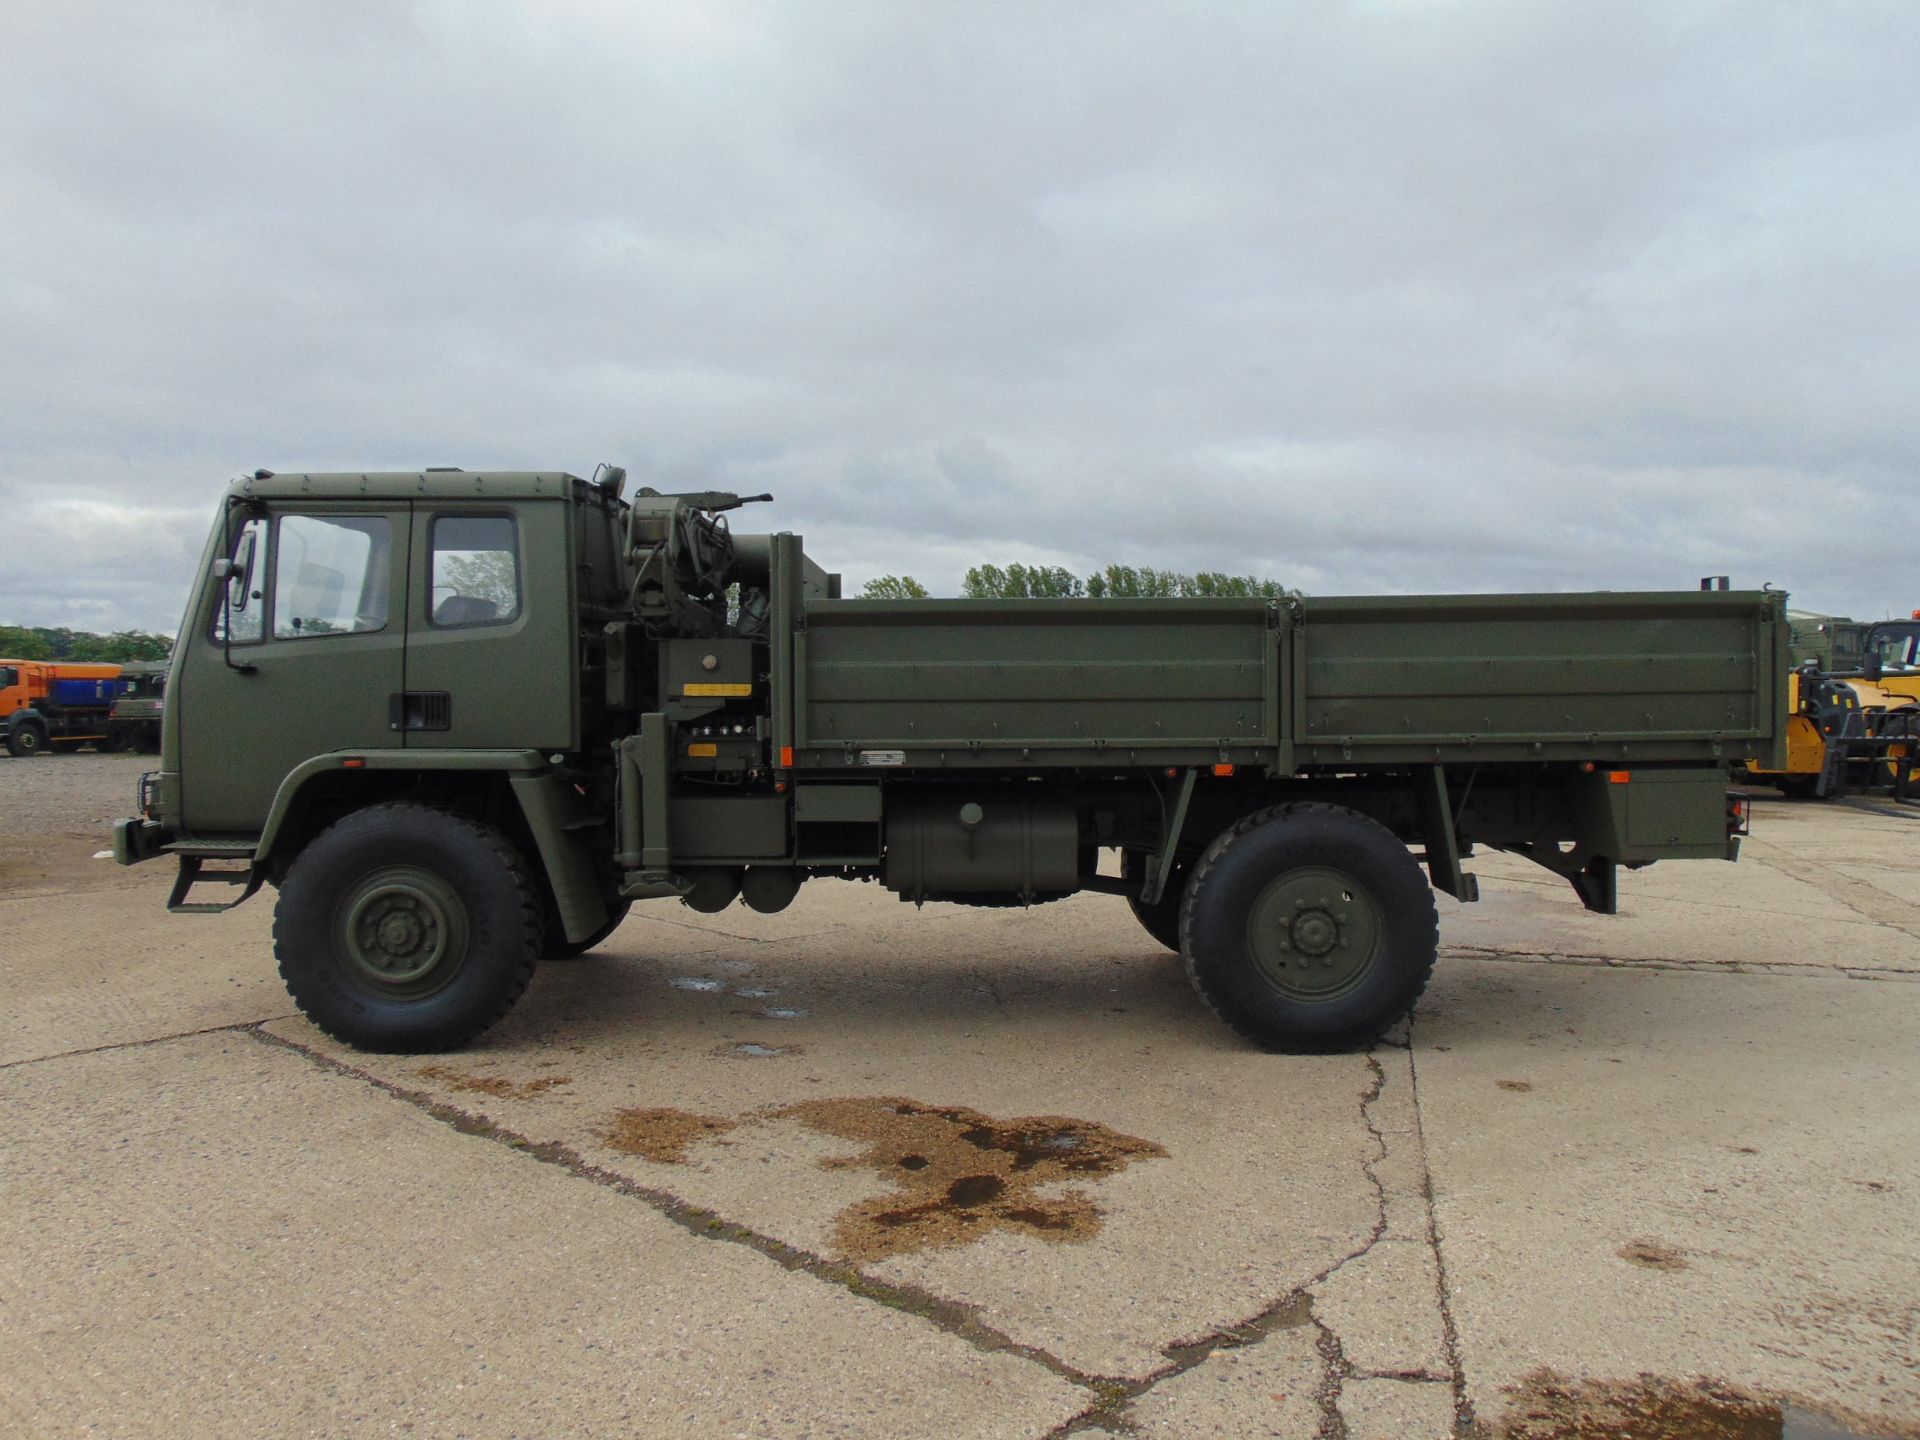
<point x="726" y="692"/>
<point x="704" y="751"/>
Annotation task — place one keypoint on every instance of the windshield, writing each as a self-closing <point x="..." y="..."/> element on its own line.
<point x="1895" y="644"/>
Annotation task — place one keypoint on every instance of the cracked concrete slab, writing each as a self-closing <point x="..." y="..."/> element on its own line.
<point x="1677" y="1174"/>
<point x="1396" y="1410"/>
<point x="1274" y="1387"/>
<point x="214" y="1237"/>
<point x="1276" y="1145"/>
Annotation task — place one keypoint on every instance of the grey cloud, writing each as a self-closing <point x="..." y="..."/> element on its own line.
<point x="1370" y="296"/>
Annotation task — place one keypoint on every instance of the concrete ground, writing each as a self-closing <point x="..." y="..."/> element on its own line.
<point x="862" y="1170"/>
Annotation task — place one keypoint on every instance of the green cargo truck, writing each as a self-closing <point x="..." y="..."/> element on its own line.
<point x="463" y="720"/>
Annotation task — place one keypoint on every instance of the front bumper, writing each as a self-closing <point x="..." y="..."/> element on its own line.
<point x="137" y="840"/>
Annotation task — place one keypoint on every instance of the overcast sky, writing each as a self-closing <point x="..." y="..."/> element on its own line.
<point x="1378" y="297"/>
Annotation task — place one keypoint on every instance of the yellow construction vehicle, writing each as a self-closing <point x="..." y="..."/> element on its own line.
<point x="1855" y="731"/>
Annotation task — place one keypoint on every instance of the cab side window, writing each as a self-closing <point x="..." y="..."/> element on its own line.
<point x="330" y="575"/>
<point x="476" y="571"/>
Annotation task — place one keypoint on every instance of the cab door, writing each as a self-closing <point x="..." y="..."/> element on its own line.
<point x="491" y="650"/>
<point x="300" y="653"/>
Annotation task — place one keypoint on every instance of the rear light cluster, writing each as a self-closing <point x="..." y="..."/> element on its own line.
<point x="147" y="795"/>
<point x="1739" y="812"/>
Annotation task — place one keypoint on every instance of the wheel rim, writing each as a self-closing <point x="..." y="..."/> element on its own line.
<point x="402" y="932"/>
<point x="1314" y="933"/>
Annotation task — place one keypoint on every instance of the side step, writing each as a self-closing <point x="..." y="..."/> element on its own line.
<point x="192" y="874"/>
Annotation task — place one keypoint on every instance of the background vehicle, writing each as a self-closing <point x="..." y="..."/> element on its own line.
<point x="134" y="722"/>
<point x="465" y="719"/>
<point x="54" y="703"/>
<point x="1857" y="729"/>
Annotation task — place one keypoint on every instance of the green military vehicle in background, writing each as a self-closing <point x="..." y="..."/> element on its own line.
<point x="463" y="720"/>
<point x="138" y="706"/>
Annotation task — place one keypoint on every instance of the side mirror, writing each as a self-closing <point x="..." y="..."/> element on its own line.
<point x="1873" y="667"/>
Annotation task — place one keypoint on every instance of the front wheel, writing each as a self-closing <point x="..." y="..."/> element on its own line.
<point x="403" y="928"/>
<point x="26" y="739"/>
<point x="1309" y="928"/>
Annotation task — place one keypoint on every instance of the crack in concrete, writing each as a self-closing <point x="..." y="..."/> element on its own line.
<point x="1290" y="1311"/>
<point x="1463" y="1418"/>
<point x="961" y="1321"/>
<point x="1810" y="970"/>
<point x="1113" y="1396"/>
<point x="235" y="1028"/>
<point x="1865" y="899"/>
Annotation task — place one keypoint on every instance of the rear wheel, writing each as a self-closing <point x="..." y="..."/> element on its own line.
<point x="554" y="944"/>
<point x="1309" y="928"/>
<point x="403" y="928"/>
<point x="1161" y="919"/>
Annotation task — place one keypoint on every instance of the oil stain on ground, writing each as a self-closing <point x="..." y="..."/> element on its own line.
<point x="497" y="1086"/>
<point x="960" y="1175"/>
<point x="1547" y="1406"/>
<point x="661" y="1133"/>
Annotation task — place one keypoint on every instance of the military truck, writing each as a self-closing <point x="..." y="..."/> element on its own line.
<point x="138" y="706"/>
<point x="464" y="720"/>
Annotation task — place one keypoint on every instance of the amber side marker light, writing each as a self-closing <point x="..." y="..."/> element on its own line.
<point x="356" y="763"/>
<point x="786" y="757"/>
<point x="1223" y="770"/>
<point x="1619" y="777"/>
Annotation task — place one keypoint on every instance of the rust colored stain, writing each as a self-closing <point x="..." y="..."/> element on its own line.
<point x="661" y="1133"/>
<point x="1521" y="1086"/>
<point x="959" y="1175"/>
<point x="496" y="1085"/>
<point x="1548" y="1406"/>
<point x="1651" y="1254"/>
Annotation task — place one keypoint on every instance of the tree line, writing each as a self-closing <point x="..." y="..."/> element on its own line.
<point x="44" y="642"/>
<point x="1112" y="582"/>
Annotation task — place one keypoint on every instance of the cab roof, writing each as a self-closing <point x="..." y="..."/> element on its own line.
<point x="439" y="484"/>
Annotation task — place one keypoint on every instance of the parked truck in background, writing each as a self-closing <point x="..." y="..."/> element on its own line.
<point x="55" y="703"/>
<point x="134" y="722"/>
<point x="464" y="720"/>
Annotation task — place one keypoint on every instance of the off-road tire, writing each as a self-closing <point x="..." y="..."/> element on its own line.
<point x="451" y="879"/>
<point x="26" y="740"/>
<point x="1161" y="920"/>
<point x="1380" y="940"/>
<point x="554" y="944"/>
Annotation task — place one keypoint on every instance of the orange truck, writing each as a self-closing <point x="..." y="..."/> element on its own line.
<point x="55" y="702"/>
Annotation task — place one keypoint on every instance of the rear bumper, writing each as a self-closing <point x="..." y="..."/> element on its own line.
<point x="137" y="840"/>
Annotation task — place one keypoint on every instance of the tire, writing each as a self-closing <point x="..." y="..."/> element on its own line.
<point x="554" y="944"/>
<point x="1162" y="919"/>
<point x="26" y="739"/>
<point x="1354" y="951"/>
<point x="405" y="929"/>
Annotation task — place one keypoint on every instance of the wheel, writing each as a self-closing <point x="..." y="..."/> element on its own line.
<point x="27" y="738"/>
<point x="1308" y="928"/>
<point x="147" y="741"/>
<point x="1162" y="919"/>
<point x="1799" y="787"/>
<point x="554" y="944"/>
<point x="403" y="928"/>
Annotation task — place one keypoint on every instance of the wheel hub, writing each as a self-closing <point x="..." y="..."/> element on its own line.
<point x="1314" y="932"/>
<point x="402" y="929"/>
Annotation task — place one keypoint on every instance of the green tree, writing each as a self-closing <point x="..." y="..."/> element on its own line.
<point x="1022" y="582"/>
<point x="19" y="643"/>
<point x="894" y="587"/>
